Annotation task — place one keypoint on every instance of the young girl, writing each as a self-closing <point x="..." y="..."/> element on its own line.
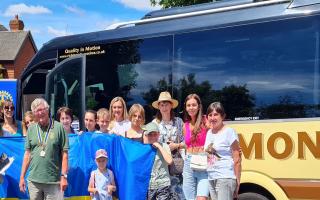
<point x="101" y="183"/>
<point x="119" y="116"/>
<point x="90" y="121"/>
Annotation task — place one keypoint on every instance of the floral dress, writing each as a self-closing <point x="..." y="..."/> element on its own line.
<point x="172" y="131"/>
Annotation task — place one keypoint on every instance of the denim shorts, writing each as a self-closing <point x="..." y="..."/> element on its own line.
<point x="195" y="183"/>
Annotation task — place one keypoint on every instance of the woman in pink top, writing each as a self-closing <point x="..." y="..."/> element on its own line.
<point x="195" y="182"/>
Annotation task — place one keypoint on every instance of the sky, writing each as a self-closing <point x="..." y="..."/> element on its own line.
<point x="52" y="18"/>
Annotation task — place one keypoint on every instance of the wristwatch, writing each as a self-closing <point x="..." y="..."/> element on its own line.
<point x="64" y="175"/>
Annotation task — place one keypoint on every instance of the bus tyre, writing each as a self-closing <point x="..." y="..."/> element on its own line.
<point x="252" y="196"/>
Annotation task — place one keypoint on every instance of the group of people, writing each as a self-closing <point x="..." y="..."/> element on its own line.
<point x="195" y="135"/>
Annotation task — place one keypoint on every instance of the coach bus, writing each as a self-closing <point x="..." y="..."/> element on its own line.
<point x="259" y="58"/>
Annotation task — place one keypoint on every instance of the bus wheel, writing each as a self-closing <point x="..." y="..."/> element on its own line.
<point x="252" y="196"/>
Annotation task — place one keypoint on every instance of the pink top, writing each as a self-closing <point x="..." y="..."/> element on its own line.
<point x="201" y="137"/>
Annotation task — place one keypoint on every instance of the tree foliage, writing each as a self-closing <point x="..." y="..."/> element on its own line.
<point x="177" y="3"/>
<point x="237" y="100"/>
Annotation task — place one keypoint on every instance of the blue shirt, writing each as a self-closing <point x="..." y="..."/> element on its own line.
<point x="19" y="132"/>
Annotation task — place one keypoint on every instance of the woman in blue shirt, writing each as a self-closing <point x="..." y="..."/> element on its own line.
<point x="11" y="127"/>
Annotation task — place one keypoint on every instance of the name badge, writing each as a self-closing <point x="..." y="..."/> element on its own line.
<point x="42" y="153"/>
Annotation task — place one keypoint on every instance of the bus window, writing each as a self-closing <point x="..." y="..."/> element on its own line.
<point x="65" y="86"/>
<point x="129" y="69"/>
<point x="258" y="71"/>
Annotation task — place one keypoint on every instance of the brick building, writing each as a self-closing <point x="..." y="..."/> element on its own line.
<point x="16" y="49"/>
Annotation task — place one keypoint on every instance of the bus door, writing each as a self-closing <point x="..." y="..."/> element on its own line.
<point x="65" y="86"/>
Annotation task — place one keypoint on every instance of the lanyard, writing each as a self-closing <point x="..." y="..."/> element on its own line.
<point x="42" y="143"/>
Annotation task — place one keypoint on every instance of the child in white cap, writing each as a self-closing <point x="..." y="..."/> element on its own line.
<point x="101" y="183"/>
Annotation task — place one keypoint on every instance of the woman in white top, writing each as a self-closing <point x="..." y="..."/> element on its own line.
<point x="119" y="123"/>
<point x="224" y="164"/>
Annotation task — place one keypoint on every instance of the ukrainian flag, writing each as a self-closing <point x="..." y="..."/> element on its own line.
<point x="130" y="161"/>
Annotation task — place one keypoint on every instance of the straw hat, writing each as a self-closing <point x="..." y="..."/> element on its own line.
<point x="165" y="96"/>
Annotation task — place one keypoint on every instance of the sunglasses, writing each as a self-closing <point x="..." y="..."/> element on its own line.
<point x="8" y="107"/>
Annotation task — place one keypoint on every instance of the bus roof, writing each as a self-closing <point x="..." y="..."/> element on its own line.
<point x="194" y="8"/>
<point x="217" y="17"/>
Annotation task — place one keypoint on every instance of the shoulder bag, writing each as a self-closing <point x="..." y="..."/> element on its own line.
<point x="176" y="168"/>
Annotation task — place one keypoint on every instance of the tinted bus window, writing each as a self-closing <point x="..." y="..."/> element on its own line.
<point x="130" y="69"/>
<point x="259" y="71"/>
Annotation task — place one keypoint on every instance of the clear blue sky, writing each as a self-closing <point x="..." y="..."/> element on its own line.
<point x="52" y="18"/>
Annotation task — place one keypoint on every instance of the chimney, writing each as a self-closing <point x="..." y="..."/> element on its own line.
<point x="16" y="24"/>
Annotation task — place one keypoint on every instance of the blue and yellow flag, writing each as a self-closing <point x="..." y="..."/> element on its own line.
<point x="130" y="161"/>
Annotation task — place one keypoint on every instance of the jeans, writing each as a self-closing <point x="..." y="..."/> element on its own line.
<point x="195" y="183"/>
<point x="222" y="189"/>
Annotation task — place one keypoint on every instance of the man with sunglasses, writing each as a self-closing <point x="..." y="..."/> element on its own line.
<point x="47" y="145"/>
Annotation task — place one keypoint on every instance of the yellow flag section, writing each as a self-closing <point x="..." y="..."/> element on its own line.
<point x="280" y="158"/>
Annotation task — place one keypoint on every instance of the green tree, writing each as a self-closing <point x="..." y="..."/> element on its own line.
<point x="286" y="107"/>
<point x="181" y="3"/>
<point x="237" y="100"/>
<point x="177" y="3"/>
<point x="188" y="85"/>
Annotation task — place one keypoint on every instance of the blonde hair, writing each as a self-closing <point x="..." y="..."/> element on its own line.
<point x="137" y="108"/>
<point x="24" y="126"/>
<point x="125" y="112"/>
<point x="102" y="112"/>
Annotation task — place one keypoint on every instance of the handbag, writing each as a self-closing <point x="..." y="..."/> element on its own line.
<point x="176" y="168"/>
<point x="199" y="162"/>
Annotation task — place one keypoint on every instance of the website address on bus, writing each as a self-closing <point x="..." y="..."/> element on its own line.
<point x="86" y="53"/>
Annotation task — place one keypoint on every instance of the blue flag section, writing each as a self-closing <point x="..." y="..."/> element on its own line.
<point x="8" y="90"/>
<point x="13" y="147"/>
<point x="130" y="161"/>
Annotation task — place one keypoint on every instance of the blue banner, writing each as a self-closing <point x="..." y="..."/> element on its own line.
<point x="8" y="90"/>
<point x="130" y="161"/>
